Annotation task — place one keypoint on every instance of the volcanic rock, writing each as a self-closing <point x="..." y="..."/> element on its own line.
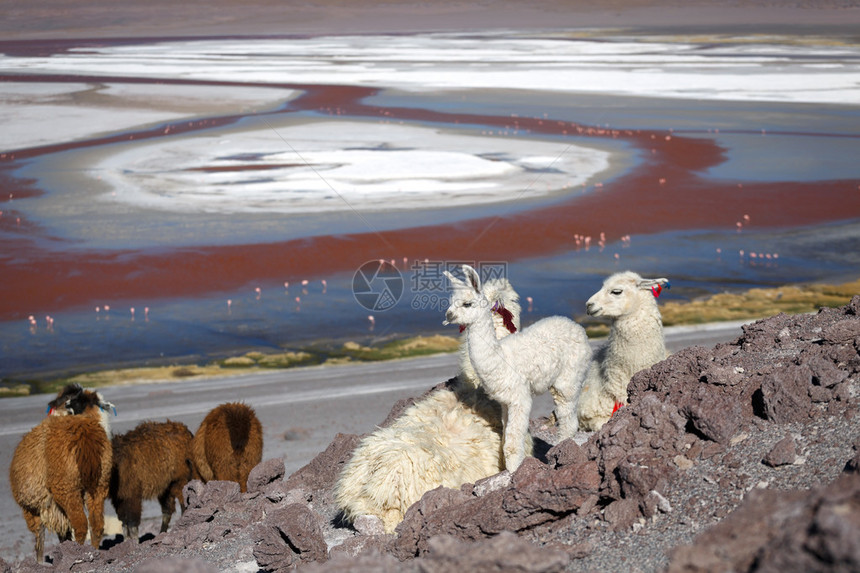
<point x="728" y="458"/>
<point x="783" y="531"/>
<point x="289" y="536"/>
<point x="783" y="453"/>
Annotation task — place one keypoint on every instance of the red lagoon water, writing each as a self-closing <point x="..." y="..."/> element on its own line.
<point x="666" y="191"/>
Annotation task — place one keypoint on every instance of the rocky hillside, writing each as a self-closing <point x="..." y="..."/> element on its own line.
<point x="743" y="457"/>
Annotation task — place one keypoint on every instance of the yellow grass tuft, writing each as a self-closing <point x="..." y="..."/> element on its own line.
<point x="406" y="348"/>
<point x="126" y="376"/>
<point x="14" y="390"/>
<point x="758" y="303"/>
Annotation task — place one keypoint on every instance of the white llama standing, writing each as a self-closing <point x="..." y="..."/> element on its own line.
<point x="552" y="354"/>
<point x="635" y="343"/>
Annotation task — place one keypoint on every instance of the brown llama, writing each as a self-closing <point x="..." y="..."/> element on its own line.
<point x="228" y="444"/>
<point x="152" y="461"/>
<point x="61" y="464"/>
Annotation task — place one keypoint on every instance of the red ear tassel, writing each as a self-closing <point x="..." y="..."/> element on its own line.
<point x="656" y="290"/>
<point x="507" y="317"/>
<point x="616" y="407"/>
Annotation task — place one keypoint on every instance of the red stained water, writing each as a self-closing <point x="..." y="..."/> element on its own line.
<point x="665" y="192"/>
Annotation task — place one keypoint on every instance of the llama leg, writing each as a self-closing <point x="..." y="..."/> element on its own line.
<point x="168" y="505"/>
<point x="565" y="411"/>
<point x="96" y="509"/>
<point x="73" y="505"/>
<point x="40" y="544"/>
<point x="131" y="532"/>
<point x="516" y="427"/>
<point x="35" y="525"/>
<point x="567" y="395"/>
<point x="133" y="510"/>
<point x="242" y="477"/>
<point x="504" y="440"/>
<point x="119" y="506"/>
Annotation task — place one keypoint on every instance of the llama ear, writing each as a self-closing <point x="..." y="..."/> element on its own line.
<point x="647" y="284"/>
<point x="107" y="406"/>
<point x="472" y="278"/>
<point x="656" y="286"/>
<point x="455" y="282"/>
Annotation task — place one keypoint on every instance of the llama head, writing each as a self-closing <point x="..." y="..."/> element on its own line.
<point x="72" y="399"/>
<point x="67" y="401"/>
<point x="623" y="294"/>
<point x="505" y="303"/>
<point x="468" y="304"/>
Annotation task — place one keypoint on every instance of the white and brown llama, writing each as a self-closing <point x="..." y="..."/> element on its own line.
<point x="61" y="464"/>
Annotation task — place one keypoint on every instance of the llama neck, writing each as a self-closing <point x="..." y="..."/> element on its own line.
<point x="103" y="418"/>
<point x="484" y="348"/>
<point x="633" y="326"/>
<point x="637" y="331"/>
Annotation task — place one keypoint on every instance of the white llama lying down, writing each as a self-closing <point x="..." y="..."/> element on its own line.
<point x="447" y="438"/>
<point x="635" y="343"/>
<point x="552" y="354"/>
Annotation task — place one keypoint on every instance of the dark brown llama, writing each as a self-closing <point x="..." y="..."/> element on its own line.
<point x="152" y="461"/>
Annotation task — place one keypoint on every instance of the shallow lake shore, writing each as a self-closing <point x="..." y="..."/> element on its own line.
<point x="727" y="307"/>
